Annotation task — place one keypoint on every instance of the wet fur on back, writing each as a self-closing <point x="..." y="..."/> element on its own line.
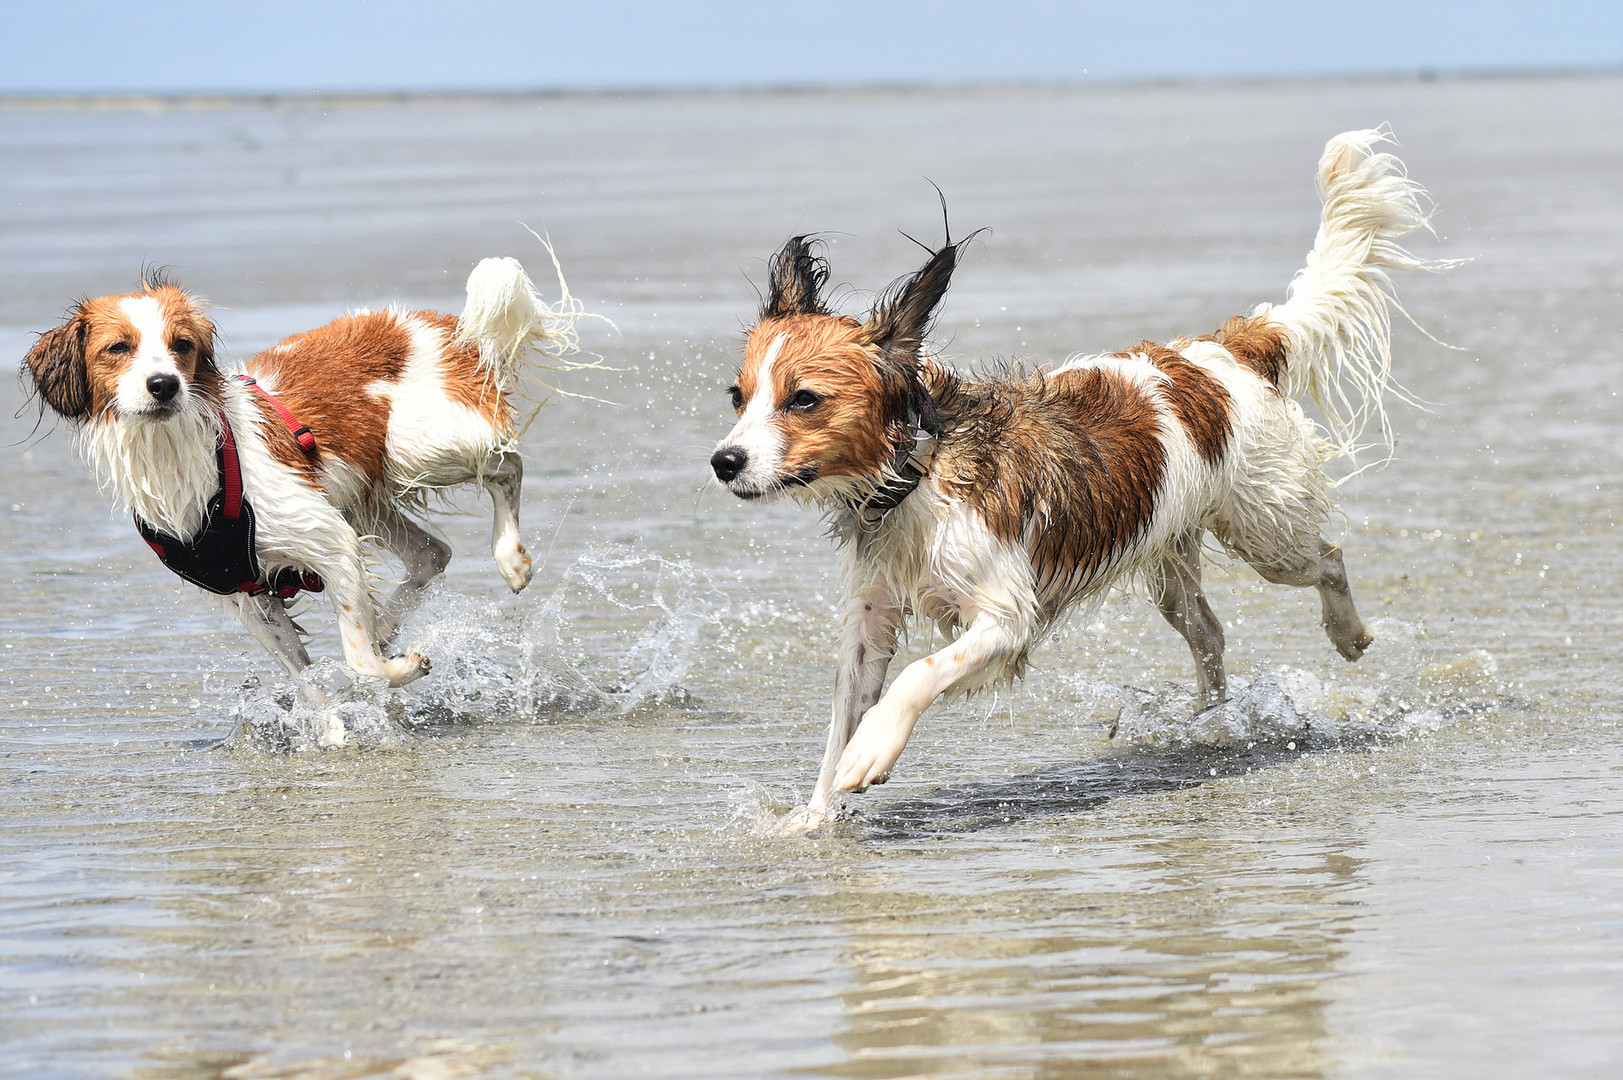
<point x="994" y="505"/>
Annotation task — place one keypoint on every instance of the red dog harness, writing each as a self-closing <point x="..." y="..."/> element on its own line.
<point x="221" y="557"/>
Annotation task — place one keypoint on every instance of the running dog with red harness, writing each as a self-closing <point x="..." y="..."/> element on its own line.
<point x="258" y="485"/>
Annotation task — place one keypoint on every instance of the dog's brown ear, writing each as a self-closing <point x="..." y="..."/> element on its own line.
<point x="906" y="311"/>
<point x="798" y="275"/>
<point x="57" y="364"/>
<point x="208" y="336"/>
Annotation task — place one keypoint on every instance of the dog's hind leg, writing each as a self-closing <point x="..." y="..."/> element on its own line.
<point x="1179" y="596"/>
<point x="504" y="479"/>
<point x="1340" y="618"/>
<point x="1327" y="573"/>
<point x="425" y="556"/>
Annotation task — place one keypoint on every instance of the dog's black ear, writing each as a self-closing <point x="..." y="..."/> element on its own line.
<point x="798" y="275"/>
<point x="57" y="364"/>
<point x="906" y="311"/>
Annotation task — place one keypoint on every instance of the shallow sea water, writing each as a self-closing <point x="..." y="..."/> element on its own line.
<point x="552" y="857"/>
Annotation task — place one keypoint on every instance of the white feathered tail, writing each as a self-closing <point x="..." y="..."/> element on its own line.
<point x="507" y="319"/>
<point x="1337" y="311"/>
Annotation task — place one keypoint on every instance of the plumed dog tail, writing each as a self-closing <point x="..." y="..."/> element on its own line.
<point x="508" y="320"/>
<point x="1337" y="313"/>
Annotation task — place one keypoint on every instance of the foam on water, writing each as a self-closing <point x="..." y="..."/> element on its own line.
<point x="564" y="656"/>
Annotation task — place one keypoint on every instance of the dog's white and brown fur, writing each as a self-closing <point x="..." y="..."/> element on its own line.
<point x="401" y="403"/>
<point x="1036" y="493"/>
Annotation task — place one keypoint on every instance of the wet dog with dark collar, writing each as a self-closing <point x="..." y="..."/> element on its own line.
<point x="992" y="507"/>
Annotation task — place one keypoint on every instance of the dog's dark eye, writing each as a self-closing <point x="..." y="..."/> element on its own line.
<point x="182" y="346"/>
<point x="737" y="396"/>
<point x="119" y="347"/>
<point x="805" y="400"/>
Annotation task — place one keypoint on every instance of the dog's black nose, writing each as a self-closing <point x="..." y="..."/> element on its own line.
<point x="163" y="386"/>
<point x="728" y="462"/>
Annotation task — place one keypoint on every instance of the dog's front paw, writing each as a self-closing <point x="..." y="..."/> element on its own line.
<point x="870" y="756"/>
<point x="805" y="820"/>
<point x="400" y="670"/>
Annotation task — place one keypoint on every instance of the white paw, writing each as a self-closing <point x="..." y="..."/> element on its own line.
<point x="515" y="567"/>
<point x="805" y="820"/>
<point x="870" y="755"/>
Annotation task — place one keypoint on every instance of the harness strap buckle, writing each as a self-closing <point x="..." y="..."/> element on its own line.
<point x="301" y="432"/>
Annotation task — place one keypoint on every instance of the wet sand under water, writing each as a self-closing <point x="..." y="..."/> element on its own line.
<point x="552" y="857"/>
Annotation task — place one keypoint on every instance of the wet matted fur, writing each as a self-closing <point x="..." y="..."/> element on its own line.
<point x="993" y="506"/>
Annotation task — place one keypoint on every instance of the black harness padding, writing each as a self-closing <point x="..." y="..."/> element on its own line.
<point x="221" y="557"/>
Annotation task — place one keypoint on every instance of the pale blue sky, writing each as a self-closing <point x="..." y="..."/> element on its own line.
<point x="302" y="46"/>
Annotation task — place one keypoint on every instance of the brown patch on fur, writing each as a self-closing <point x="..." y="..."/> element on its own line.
<point x="106" y="325"/>
<point x="1256" y="343"/>
<point x="853" y="430"/>
<point x="322" y="376"/>
<point x="1199" y="401"/>
<point x="184" y="322"/>
<point x="1067" y="465"/>
<point x="466" y="383"/>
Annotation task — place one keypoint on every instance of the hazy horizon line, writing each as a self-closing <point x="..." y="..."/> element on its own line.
<point x="147" y="101"/>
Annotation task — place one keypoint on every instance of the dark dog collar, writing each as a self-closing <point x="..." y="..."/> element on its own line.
<point x="911" y="465"/>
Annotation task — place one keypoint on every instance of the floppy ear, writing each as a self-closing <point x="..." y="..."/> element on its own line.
<point x="905" y="313"/>
<point x="798" y="275"/>
<point x="57" y="364"/>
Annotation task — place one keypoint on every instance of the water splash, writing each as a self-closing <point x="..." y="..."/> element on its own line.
<point x="1410" y="689"/>
<point x="568" y="654"/>
<point x="329" y="705"/>
<point x="563" y="657"/>
<point x="1161" y="744"/>
<point x="754" y="810"/>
